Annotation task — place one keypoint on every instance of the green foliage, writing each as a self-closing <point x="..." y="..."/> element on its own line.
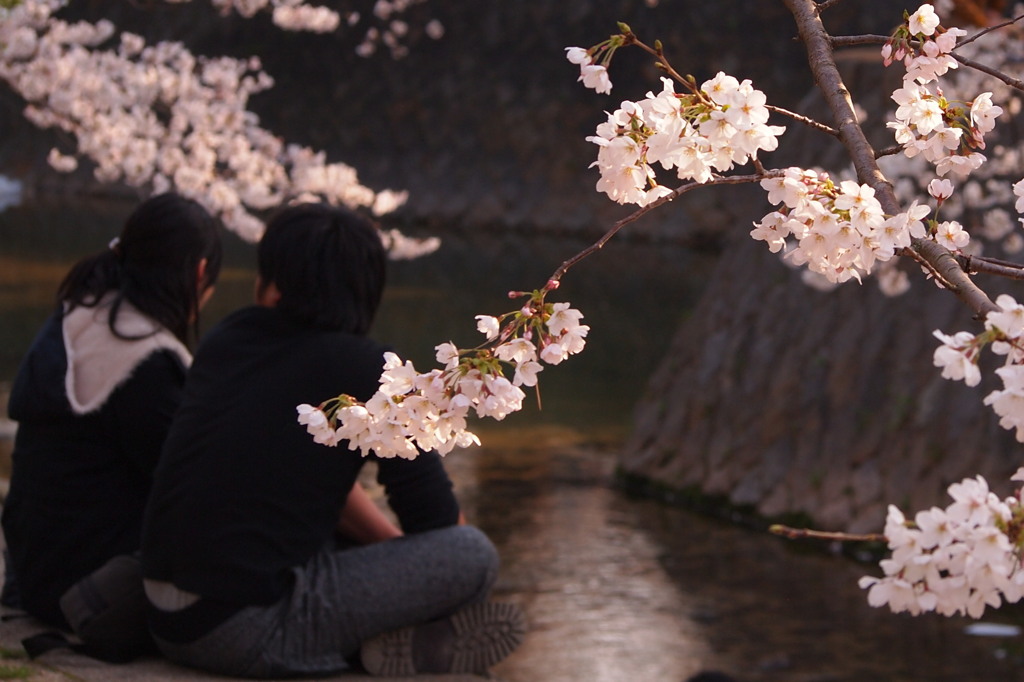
<point x="16" y="672"/>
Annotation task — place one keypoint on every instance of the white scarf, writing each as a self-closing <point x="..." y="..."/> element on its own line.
<point x="99" y="361"/>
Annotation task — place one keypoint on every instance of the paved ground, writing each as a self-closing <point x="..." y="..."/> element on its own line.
<point x="65" y="666"/>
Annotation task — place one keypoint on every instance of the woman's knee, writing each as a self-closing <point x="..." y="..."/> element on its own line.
<point x="477" y="554"/>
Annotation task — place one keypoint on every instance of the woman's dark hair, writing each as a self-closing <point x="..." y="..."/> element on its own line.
<point x="328" y="264"/>
<point x="152" y="265"/>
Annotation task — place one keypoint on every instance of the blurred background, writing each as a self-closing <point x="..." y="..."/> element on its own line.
<point x="717" y="391"/>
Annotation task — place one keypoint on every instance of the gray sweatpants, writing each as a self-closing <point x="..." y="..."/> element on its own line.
<point x="342" y="598"/>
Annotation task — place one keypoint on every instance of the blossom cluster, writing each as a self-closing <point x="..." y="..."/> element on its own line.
<point x="983" y="200"/>
<point x="388" y="28"/>
<point x="415" y="411"/>
<point x="291" y="15"/>
<point x="959" y="353"/>
<point x="156" y="115"/>
<point x="945" y="132"/>
<point x="394" y="30"/>
<point x="593" y="75"/>
<point x="717" y="126"/>
<point x="957" y="560"/>
<point x="838" y="230"/>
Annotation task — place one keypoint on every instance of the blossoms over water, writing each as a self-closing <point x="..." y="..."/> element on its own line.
<point x="414" y="411"/>
<point x="958" y="560"/>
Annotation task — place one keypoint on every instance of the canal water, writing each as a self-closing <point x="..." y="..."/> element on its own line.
<point x="616" y="589"/>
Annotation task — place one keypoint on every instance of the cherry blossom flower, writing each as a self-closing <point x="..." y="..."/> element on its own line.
<point x="952" y="235"/>
<point x="577" y="55"/>
<point x="923" y="21"/>
<point x="940" y="189"/>
<point x="1018" y="191"/>
<point x="957" y="356"/>
<point x="595" y="76"/>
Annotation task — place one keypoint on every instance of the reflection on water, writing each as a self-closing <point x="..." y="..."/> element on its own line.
<point x="616" y="589"/>
<point x="619" y="589"/>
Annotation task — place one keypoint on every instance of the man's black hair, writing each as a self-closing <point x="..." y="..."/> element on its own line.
<point x="329" y="265"/>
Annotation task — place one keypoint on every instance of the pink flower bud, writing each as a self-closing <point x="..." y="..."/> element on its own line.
<point x="887" y="54"/>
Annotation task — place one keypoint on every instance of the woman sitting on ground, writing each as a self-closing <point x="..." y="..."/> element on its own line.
<point x="94" y="397"/>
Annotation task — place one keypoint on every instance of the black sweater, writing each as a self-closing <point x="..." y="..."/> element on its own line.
<point x="242" y="493"/>
<point x="79" y="482"/>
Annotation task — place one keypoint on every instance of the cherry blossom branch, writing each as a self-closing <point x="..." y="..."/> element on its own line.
<point x="1014" y="83"/>
<point x="637" y="214"/>
<point x="817" y="125"/>
<point x="629" y="38"/>
<point x="989" y="29"/>
<point x="853" y="41"/>
<point x="868" y="39"/>
<point x="830" y="82"/>
<point x="807" y="533"/>
<point x="992" y="266"/>
<point x="889" y="151"/>
<point x="825" y="4"/>
<point x="926" y="265"/>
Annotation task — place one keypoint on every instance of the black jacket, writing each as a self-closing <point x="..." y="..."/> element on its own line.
<point x="242" y="493"/>
<point x="80" y="481"/>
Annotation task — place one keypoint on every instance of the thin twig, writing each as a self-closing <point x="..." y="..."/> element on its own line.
<point x="851" y="41"/>
<point x="817" y="125"/>
<point x="888" y="151"/>
<point x="807" y="533"/>
<point x="938" y="261"/>
<point x="1014" y="83"/>
<point x="926" y="265"/>
<point x="992" y="266"/>
<point x="635" y="215"/>
<point x="825" y="4"/>
<point x="631" y="39"/>
<point x="1008" y="22"/>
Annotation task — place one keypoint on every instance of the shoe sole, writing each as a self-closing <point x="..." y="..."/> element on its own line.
<point x="483" y="635"/>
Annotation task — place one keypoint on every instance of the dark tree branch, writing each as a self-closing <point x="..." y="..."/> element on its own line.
<point x="991" y="266"/>
<point x="1014" y="83"/>
<point x="996" y="27"/>
<point x="635" y="215"/>
<point x="829" y="81"/>
<point x="851" y="41"/>
<point x="810" y="534"/>
<point x="889" y="151"/>
<point x="825" y="4"/>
